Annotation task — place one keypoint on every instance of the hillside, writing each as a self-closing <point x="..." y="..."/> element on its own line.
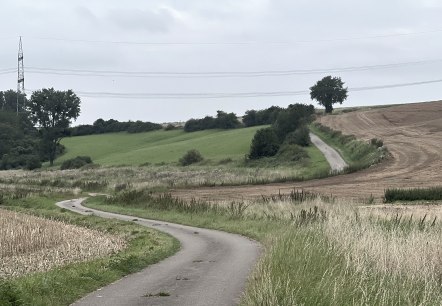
<point x="159" y="146"/>
<point x="412" y="134"/>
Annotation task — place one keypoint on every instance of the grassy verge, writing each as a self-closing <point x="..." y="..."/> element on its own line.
<point x="331" y="255"/>
<point x="358" y="154"/>
<point x="64" y="285"/>
<point x="413" y="194"/>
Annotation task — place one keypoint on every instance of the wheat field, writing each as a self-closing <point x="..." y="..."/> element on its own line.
<point x="30" y="244"/>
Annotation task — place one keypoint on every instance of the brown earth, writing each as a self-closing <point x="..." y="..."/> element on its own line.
<point x="412" y="134"/>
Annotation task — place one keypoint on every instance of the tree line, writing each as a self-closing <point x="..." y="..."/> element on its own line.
<point x="32" y="135"/>
<point x="31" y="130"/>
<point x="101" y="126"/>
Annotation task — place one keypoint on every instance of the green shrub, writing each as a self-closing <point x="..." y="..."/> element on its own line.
<point x="170" y="127"/>
<point x="76" y="163"/>
<point x="377" y="142"/>
<point x="191" y="157"/>
<point x="33" y="162"/>
<point x="291" y="152"/>
<point x="264" y="143"/>
<point x="9" y="294"/>
<point x="413" y="194"/>
<point x="301" y="136"/>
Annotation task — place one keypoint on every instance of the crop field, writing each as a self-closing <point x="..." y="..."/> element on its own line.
<point x="30" y="244"/>
<point x="159" y="146"/>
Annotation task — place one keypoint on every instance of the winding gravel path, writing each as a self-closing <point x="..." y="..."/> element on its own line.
<point x="211" y="268"/>
<point x="331" y="155"/>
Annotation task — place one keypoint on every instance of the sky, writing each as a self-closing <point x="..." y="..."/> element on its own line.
<point x="171" y="60"/>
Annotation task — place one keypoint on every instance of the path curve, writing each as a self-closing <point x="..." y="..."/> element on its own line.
<point x="331" y="155"/>
<point x="211" y="267"/>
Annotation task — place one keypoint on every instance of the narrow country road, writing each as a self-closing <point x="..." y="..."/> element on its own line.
<point x="211" y="268"/>
<point x="331" y="155"/>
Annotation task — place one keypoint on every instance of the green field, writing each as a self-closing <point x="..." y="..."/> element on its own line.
<point x="159" y="146"/>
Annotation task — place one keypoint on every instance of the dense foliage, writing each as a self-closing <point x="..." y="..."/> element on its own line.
<point x="328" y="91"/>
<point x="289" y="128"/>
<point x="261" y="117"/>
<point x="413" y="194"/>
<point x="52" y="112"/>
<point x="101" y="126"/>
<point x="76" y="163"/>
<point x="191" y="157"/>
<point x="10" y="103"/>
<point x="19" y="147"/>
<point x="222" y="121"/>
<point x="265" y="143"/>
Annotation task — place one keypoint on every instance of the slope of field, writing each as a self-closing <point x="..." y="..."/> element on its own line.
<point x="412" y="134"/>
<point x="159" y="146"/>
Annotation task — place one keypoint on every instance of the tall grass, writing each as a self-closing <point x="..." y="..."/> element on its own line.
<point x="155" y="177"/>
<point x="330" y="252"/>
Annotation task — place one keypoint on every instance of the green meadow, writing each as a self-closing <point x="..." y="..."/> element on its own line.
<point x="159" y="146"/>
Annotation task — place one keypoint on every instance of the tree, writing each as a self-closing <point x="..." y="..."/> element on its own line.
<point x="328" y="91"/>
<point x="264" y="143"/>
<point x="293" y="117"/>
<point x="8" y="101"/>
<point x="52" y="111"/>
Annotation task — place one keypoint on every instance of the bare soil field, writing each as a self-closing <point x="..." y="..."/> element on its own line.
<point x="412" y="134"/>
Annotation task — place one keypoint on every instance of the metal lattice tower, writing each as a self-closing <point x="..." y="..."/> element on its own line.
<point x="20" y="76"/>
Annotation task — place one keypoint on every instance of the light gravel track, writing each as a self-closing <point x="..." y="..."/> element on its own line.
<point x="331" y="155"/>
<point x="211" y="267"/>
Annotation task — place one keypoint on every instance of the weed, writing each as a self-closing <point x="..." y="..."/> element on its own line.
<point x="311" y="216"/>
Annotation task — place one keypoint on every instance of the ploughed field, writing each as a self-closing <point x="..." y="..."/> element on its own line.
<point x="412" y="134"/>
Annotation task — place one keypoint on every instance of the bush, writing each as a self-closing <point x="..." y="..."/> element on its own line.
<point x="377" y="142"/>
<point x="33" y="162"/>
<point x="76" y="163"/>
<point x="291" y="152"/>
<point x="413" y="194"/>
<point x="264" y="143"/>
<point x="170" y="127"/>
<point x="191" y="157"/>
<point x="299" y="137"/>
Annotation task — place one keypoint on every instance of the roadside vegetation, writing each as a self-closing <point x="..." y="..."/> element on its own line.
<point x="42" y="236"/>
<point x="318" y="250"/>
<point x="357" y="153"/>
<point x="413" y="194"/>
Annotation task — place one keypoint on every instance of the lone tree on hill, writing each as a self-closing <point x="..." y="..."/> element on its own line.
<point x="328" y="91"/>
<point x="52" y="111"/>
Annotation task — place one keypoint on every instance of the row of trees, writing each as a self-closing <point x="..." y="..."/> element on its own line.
<point x="222" y="121"/>
<point x="101" y="126"/>
<point x="33" y="135"/>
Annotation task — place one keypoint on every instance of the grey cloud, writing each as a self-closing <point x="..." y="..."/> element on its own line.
<point x="155" y="21"/>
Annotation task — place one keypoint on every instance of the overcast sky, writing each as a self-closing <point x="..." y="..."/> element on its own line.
<point x="208" y="48"/>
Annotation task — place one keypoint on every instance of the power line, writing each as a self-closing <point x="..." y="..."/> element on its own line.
<point x="161" y="96"/>
<point x="218" y="74"/>
<point x="8" y="71"/>
<point x="237" y="43"/>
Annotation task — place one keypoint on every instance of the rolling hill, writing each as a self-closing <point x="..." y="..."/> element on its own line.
<point x="159" y="146"/>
